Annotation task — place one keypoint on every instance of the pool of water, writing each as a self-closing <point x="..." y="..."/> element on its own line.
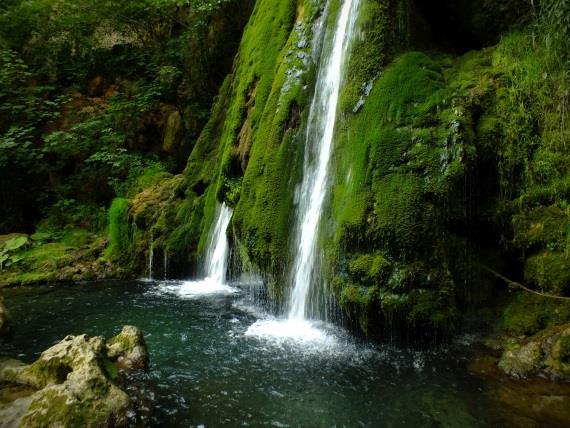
<point x="216" y="360"/>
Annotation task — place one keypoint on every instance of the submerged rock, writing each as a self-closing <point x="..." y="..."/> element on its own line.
<point x="545" y="354"/>
<point x="71" y="383"/>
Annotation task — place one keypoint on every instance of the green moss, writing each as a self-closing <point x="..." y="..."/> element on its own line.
<point x="400" y="168"/>
<point x="27" y="278"/>
<point x="541" y="226"/>
<point x="119" y="228"/>
<point x="356" y="295"/>
<point x="48" y="372"/>
<point x="526" y="314"/>
<point x="369" y="268"/>
<point x="262" y="217"/>
<point x="382" y="36"/>
<point x="400" y="216"/>
<point x="54" y="408"/>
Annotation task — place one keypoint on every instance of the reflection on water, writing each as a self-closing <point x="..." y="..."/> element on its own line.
<point x="215" y="361"/>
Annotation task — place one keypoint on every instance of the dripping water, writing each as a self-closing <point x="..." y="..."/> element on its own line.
<point x="150" y="257"/>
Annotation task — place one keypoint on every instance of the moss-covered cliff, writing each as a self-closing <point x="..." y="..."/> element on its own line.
<point x="449" y="158"/>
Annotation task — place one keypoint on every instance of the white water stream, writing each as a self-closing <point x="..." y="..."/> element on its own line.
<point x="312" y="195"/>
<point x="318" y="149"/>
<point x="216" y="261"/>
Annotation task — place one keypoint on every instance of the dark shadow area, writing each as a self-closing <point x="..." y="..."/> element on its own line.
<point x="463" y="25"/>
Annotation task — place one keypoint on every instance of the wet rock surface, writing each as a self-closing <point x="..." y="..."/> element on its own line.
<point x="72" y="383"/>
<point x="546" y="354"/>
<point x="128" y="349"/>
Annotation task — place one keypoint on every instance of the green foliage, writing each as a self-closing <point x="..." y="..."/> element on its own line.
<point x="67" y="214"/>
<point x="9" y="251"/>
<point x="15" y="243"/>
<point x="84" y="88"/>
<point x="119" y="227"/>
<point x="555" y="17"/>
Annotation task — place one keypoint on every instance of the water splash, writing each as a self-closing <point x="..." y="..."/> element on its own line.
<point x="318" y="149"/>
<point x="216" y="262"/>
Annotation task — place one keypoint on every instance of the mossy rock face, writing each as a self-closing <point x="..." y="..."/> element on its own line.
<point x="72" y="383"/>
<point x="438" y="159"/>
<point x="401" y="161"/>
<point x="541" y="226"/>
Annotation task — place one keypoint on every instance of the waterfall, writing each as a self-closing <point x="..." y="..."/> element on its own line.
<point x="218" y="247"/>
<point x="318" y="148"/>
<point x="215" y="262"/>
<point x="150" y="257"/>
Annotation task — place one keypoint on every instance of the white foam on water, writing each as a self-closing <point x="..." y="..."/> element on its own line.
<point x="293" y="331"/>
<point x="205" y="287"/>
<point x="215" y="264"/>
<point x="196" y="289"/>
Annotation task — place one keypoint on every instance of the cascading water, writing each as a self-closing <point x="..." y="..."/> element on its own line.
<point x="216" y="261"/>
<point x="318" y="148"/>
<point x="218" y="247"/>
<point x="312" y="192"/>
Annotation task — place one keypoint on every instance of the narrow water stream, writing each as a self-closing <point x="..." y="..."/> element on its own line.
<point x="318" y="149"/>
<point x="206" y="370"/>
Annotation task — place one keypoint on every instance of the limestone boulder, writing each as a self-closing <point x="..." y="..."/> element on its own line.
<point x="128" y="349"/>
<point x="71" y="384"/>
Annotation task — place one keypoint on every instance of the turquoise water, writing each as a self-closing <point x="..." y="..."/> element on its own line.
<point x="205" y="369"/>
